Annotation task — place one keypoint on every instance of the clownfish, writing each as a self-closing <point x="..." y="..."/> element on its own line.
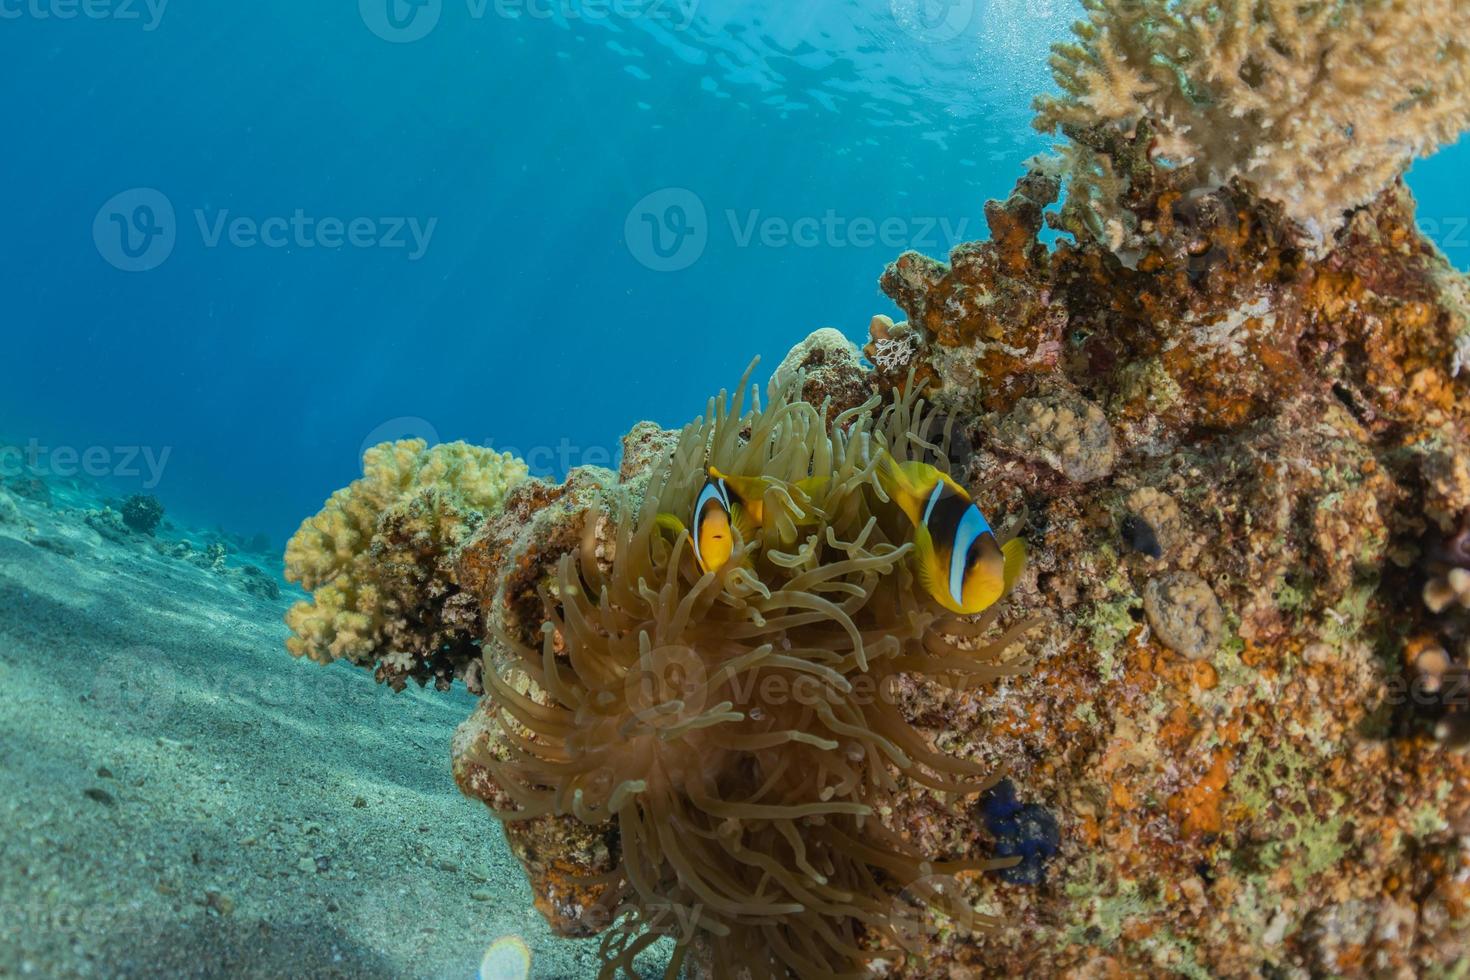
<point x="956" y="555"/>
<point x="726" y="504"/>
<point x="714" y="522"/>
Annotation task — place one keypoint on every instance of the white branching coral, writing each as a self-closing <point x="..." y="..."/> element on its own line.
<point x="1318" y="105"/>
<point x="892" y="354"/>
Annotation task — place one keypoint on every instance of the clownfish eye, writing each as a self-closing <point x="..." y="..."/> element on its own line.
<point x="975" y="553"/>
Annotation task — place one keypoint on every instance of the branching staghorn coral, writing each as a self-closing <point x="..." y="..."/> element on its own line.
<point x="378" y="562"/>
<point x="1318" y="105"/>
<point x="740" y="727"/>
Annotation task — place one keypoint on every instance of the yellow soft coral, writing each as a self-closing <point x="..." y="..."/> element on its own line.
<point x="1319" y="105"/>
<point x="378" y="560"/>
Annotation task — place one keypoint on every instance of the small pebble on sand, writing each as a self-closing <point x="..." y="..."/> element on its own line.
<point x="100" y="795"/>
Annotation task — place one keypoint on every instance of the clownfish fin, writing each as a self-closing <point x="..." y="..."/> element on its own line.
<point x="910" y="485"/>
<point x="808" y="492"/>
<point x="748" y="492"/>
<point x="670" y="524"/>
<point x="741" y="520"/>
<point x="1014" y="551"/>
<point x="926" y="564"/>
<point x="813" y="486"/>
<point x="902" y="486"/>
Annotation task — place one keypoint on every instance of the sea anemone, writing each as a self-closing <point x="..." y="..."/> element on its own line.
<point x="740" y="727"/>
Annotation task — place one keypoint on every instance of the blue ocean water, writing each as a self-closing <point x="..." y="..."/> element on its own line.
<point x="243" y="241"/>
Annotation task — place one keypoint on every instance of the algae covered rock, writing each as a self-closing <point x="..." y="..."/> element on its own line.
<point x="1065" y="431"/>
<point x="1185" y="614"/>
<point x="644" y="445"/>
<point x="254" y="582"/>
<point x="142" y="513"/>
<point x="109" y="524"/>
<point x="378" y="562"/>
<point x="832" y="369"/>
<point x="1240" y="712"/>
<point x="9" y="510"/>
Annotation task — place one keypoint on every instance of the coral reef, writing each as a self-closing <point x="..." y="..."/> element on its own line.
<point x="142" y="513"/>
<point x="1234" y="412"/>
<point x="1244" y="717"/>
<point x="1238" y="745"/>
<point x="1318" y="106"/>
<point x="378" y="561"/>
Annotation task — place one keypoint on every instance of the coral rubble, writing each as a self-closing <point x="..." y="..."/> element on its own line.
<point x="109" y="524"/>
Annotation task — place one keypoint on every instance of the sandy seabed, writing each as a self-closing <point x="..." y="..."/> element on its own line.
<point x="181" y="798"/>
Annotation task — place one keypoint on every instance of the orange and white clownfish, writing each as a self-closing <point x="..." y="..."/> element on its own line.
<point x="957" y="557"/>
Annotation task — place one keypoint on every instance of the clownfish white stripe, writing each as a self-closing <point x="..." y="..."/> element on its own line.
<point x="972" y="526"/>
<point x="933" y="499"/>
